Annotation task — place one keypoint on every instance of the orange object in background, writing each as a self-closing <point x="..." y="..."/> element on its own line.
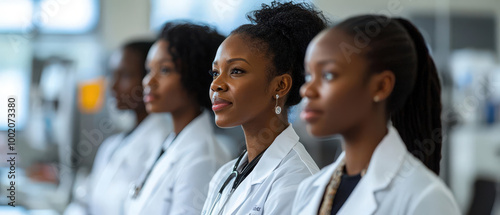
<point x="43" y="172"/>
<point x="91" y="95"/>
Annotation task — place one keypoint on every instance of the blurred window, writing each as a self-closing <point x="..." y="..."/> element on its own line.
<point x="49" y="16"/>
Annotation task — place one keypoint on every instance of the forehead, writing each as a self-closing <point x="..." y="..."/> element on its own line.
<point x="334" y="44"/>
<point x="124" y="57"/>
<point x="240" y="46"/>
<point x="158" y="51"/>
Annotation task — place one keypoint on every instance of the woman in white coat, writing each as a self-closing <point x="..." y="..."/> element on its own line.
<point x="257" y="74"/>
<point x="123" y="157"/>
<point x="176" y="83"/>
<point x="372" y="80"/>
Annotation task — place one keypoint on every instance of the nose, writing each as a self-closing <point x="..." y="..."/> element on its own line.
<point x="218" y="85"/>
<point x="149" y="81"/>
<point x="308" y="90"/>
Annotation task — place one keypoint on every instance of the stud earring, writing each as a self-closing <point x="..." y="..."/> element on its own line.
<point x="376" y="99"/>
<point x="277" y="109"/>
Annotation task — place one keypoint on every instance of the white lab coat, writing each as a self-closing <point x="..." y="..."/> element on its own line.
<point x="395" y="183"/>
<point x="178" y="183"/>
<point x="121" y="160"/>
<point x="271" y="186"/>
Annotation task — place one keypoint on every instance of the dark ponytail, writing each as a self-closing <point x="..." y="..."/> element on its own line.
<point x="414" y="105"/>
<point x="419" y="120"/>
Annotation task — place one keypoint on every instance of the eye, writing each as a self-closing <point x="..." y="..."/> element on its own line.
<point x="328" y="76"/>
<point x="213" y="73"/>
<point x="308" y="77"/>
<point x="165" y="70"/>
<point x="237" y="71"/>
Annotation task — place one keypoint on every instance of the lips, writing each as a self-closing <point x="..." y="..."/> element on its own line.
<point x="149" y="97"/>
<point x="310" y="115"/>
<point x="219" y="104"/>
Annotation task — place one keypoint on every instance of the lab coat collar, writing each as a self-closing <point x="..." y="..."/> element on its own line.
<point x="200" y="126"/>
<point x="143" y="127"/>
<point x="151" y="122"/>
<point x="271" y="158"/>
<point x="320" y="184"/>
<point x="188" y="136"/>
<point x="384" y="165"/>
<point x="273" y="155"/>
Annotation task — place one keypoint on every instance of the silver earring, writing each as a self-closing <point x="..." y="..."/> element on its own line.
<point x="277" y="109"/>
<point x="376" y="99"/>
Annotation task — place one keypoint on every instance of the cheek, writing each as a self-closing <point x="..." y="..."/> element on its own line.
<point x="171" y="93"/>
<point x="249" y="101"/>
<point x="342" y="98"/>
<point x="345" y="105"/>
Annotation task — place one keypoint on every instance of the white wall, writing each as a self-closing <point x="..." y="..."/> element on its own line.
<point x="122" y="20"/>
<point x="340" y="9"/>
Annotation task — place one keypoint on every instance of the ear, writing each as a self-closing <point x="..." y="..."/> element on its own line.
<point x="282" y="85"/>
<point x="382" y="85"/>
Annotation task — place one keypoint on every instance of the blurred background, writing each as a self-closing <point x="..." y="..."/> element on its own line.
<point x="53" y="60"/>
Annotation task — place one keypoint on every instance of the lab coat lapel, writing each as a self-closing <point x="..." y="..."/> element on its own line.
<point x="142" y="139"/>
<point x="106" y="175"/>
<point x="128" y="148"/>
<point x="239" y="196"/>
<point x="177" y="148"/>
<point x="271" y="158"/>
<point x="318" y="189"/>
<point x="383" y="168"/>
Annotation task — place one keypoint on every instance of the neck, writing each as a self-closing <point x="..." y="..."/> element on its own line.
<point x="182" y="117"/>
<point x="360" y="143"/>
<point x="140" y="115"/>
<point x="261" y="132"/>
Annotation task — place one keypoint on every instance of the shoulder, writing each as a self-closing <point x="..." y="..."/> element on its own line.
<point x="298" y="160"/>
<point x="424" y="189"/>
<point x="203" y="146"/>
<point x="415" y="173"/>
<point x="294" y="168"/>
<point x="309" y="181"/>
<point x="109" y="145"/>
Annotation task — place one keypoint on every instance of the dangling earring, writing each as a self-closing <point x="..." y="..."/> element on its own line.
<point x="376" y="99"/>
<point x="277" y="109"/>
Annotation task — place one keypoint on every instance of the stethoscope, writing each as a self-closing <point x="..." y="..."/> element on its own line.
<point x="239" y="178"/>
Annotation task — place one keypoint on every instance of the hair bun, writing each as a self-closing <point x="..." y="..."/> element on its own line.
<point x="285" y="30"/>
<point x="290" y="19"/>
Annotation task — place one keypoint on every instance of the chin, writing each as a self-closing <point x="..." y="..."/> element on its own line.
<point x="223" y="123"/>
<point x="151" y="108"/>
<point x="318" y="131"/>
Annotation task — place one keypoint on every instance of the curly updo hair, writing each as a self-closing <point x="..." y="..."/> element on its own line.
<point x="193" y="48"/>
<point x="283" y="31"/>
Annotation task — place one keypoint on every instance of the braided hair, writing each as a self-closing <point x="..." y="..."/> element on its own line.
<point x="283" y="31"/>
<point x="414" y="105"/>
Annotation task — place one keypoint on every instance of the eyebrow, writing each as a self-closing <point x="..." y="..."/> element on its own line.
<point x="162" y="60"/>
<point x="233" y="60"/>
<point x="326" y="61"/>
<point x="321" y="63"/>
